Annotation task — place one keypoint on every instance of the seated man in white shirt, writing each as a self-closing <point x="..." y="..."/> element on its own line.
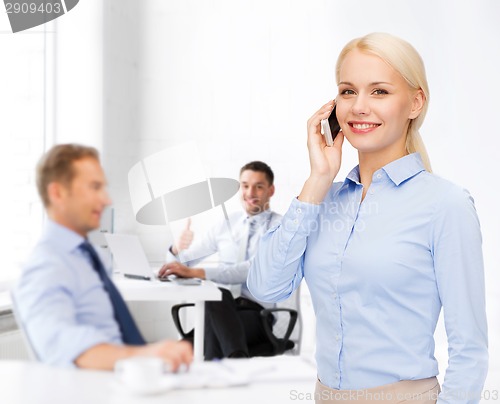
<point x="233" y="324"/>
<point x="72" y="313"/>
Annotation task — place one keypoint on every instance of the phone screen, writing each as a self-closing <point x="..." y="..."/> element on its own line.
<point x="334" y="123"/>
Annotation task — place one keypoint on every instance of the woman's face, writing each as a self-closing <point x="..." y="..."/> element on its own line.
<point x="375" y="104"/>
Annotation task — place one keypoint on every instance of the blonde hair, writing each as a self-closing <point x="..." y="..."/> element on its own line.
<point x="403" y="58"/>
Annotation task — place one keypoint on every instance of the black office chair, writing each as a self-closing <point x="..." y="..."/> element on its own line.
<point x="279" y="324"/>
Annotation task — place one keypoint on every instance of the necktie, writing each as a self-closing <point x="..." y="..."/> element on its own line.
<point x="130" y="333"/>
<point x="251" y="239"/>
<point x="244" y="244"/>
<point x="248" y="232"/>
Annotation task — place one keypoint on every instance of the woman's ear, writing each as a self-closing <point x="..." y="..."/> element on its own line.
<point x="418" y="102"/>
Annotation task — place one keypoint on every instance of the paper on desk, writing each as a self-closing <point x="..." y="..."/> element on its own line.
<point x="209" y="374"/>
<point x="274" y="369"/>
<point x="237" y="372"/>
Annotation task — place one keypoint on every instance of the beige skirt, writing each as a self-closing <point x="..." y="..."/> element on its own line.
<point x="407" y="391"/>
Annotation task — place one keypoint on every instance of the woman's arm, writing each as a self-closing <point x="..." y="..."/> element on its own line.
<point x="458" y="263"/>
<point x="277" y="267"/>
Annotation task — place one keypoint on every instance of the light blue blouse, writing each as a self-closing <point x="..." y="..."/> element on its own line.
<point x="379" y="271"/>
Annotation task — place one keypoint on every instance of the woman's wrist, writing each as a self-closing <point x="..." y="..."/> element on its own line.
<point x="315" y="189"/>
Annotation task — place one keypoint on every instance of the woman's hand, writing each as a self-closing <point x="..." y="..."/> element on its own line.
<point x="324" y="160"/>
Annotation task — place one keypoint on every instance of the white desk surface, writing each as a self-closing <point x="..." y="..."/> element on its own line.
<point x="138" y="290"/>
<point x="34" y="383"/>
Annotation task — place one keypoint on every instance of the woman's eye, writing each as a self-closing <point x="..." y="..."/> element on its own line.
<point x="347" y="92"/>
<point x="380" y="92"/>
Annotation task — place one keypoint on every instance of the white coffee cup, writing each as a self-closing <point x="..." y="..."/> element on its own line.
<point x="141" y="374"/>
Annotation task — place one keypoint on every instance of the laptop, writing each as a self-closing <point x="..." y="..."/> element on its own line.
<point x="132" y="262"/>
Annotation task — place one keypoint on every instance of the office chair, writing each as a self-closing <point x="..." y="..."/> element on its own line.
<point x="24" y="335"/>
<point x="283" y="336"/>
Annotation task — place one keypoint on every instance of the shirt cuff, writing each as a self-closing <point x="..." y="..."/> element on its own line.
<point x="86" y="338"/>
<point x="170" y="256"/>
<point x="301" y="217"/>
<point x="211" y="273"/>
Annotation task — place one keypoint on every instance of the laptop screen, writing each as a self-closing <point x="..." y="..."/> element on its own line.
<point x="129" y="254"/>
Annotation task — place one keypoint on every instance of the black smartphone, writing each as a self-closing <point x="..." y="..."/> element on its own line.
<point x="331" y="128"/>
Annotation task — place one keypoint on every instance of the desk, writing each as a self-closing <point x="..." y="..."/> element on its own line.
<point x="138" y="290"/>
<point x="24" y="382"/>
<point x="35" y="383"/>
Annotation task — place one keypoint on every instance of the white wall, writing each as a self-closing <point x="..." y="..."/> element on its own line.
<point x="79" y="75"/>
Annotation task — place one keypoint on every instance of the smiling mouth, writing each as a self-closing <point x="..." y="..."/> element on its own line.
<point x="362" y="126"/>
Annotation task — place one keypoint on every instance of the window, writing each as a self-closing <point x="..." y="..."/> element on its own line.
<point x="27" y="107"/>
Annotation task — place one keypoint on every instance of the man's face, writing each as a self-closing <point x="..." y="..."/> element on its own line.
<point x="79" y="205"/>
<point x="255" y="191"/>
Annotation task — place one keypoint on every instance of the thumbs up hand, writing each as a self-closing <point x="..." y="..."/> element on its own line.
<point x="185" y="239"/>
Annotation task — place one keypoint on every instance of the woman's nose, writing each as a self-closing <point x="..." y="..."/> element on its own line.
<point x="360" y="106"/>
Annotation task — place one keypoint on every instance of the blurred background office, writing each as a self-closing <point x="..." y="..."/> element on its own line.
<point x="240" y="78"/>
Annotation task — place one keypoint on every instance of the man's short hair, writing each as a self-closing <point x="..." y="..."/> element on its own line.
<point x="259" y="166"/>
<point x="56" y="165"/>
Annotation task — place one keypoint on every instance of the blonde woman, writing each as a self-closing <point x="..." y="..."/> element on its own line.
<point x="384" y="250"/>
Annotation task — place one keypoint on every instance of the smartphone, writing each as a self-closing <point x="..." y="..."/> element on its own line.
<point x="330" y="127"/>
